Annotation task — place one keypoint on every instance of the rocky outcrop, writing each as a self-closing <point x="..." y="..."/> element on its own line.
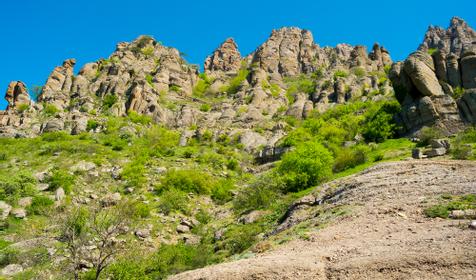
<point x="226" y="58"/>
<point x="57" y="88"/>
<point x="289" y="74"/>
<point x="17" y="95"/>
<point x="288" y="52"/>
<point x="454" y="40"/>
<point x="436" y="84"/>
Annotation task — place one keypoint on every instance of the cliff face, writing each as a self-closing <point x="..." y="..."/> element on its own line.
<point x="436" y="85"/>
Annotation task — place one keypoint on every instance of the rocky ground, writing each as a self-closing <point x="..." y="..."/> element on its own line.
<point x="384" y="235"/>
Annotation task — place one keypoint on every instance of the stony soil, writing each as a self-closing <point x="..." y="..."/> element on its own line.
<point x="385" y="235"/>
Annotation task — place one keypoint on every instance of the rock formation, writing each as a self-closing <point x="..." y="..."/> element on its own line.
<point x="226" y="58"/>
<point x="436" y="84"/>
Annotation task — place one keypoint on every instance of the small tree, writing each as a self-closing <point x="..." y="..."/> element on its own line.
<point x="100" y="227"/>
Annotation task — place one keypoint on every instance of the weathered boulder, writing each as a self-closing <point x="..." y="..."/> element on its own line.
<point x="4" y="210"/>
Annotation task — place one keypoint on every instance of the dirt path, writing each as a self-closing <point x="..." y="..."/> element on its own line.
<point x="386" y="235"/>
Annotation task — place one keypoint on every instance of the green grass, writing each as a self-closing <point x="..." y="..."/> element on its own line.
<point x="449" y="203"/>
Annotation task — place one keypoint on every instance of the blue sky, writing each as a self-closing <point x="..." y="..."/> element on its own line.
<point x="37" y="35"/>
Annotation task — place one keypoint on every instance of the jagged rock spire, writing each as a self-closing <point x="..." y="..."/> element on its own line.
<point x="226" y="58"/>
<point x="454" y="39"/>
<point x="288" y="51"/>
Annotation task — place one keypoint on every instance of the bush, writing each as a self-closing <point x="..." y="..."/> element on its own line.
<point x="173" y="200"/>
<point x="235" y="83"/>
<point x="260" y="194"/>
<point x="23" y="107"/>
<point x="92" y="125"/>
<point x="40" y="205"/>
<point x="138" y="118"/>
<point x="205" y="107"/>
<point x="380" y="125"/>
<point x="62" y="179"/>
<point x="175" y="88"/>
<point x="50" y="110"/>
<point x="8" y="256"/>
<point x="16" y="186"/>
<point x="128" y="268"/>
<point x="349" y="158"/>
<point x="341" y="74"/>
<point x="238" y="238"/>
<point x="188" y="181"/>
<point x="172" y="259"/>
<point x="109" y="100"/>
<point x="202" y="85"/>
<point x="359" y="72"/>
<point x="3" y="156"/>
<point x="221" y="193"/>
<point x="428" y="133"/>
<point x="461" y="151"/>
<point x="306" y="166"/>
<point x="141" y="210"/>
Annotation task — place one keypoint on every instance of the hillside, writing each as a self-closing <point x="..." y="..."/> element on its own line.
<point x="371" y="225"/>
<point x="291" y="161"/>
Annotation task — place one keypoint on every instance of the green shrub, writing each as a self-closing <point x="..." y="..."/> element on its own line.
<point x="128" y="268"/>
<point x="188" y="181"/>
<point x="359" y="72"/>
<point x="61" y="179"/>
<point x="306" y="166"/>
<point x="109" y="100"/>
<point x="92" y="125"/>
<point x="380" y="125"/>
<point x="40" y="205"/>
<point x="205" y="107"/>
<point x="260" y="194"/>
<point x="173" y="200"/>
<point x="149" y="79"/>
<point x="3" y="156"/>
<point x="461" y="151"/>
<point x="341" y="74"/>
<point x="431" y="51"/>
<point x="138" y="118"/>
<point x="23" y="107"/>
<point x="427" y="134"/>
<point x="141" y="210"/>
<point x="235" y="83"/>
<point x="202" y="86"/>
<point x="50" y="110"/>
<point x="469" y="135"/>
<point x="172" y="259"/>
<point x="147" y="51"/>
<point x="233" y="164"/>
<point x="221" y="193"/>
<point x="239" y="238"/>
<point x="8" y="256"/>
<point x="17" y="185"/>
<point x="349" y="158"/>
<point x="175" y="88"/>
<point x="302" y="83"/>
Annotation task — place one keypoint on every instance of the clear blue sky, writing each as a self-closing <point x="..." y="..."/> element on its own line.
<point x="37" y="35"/>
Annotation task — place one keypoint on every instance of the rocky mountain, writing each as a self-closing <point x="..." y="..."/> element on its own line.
<point x="436" y="85"/>
<point x="288" y="75"/>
